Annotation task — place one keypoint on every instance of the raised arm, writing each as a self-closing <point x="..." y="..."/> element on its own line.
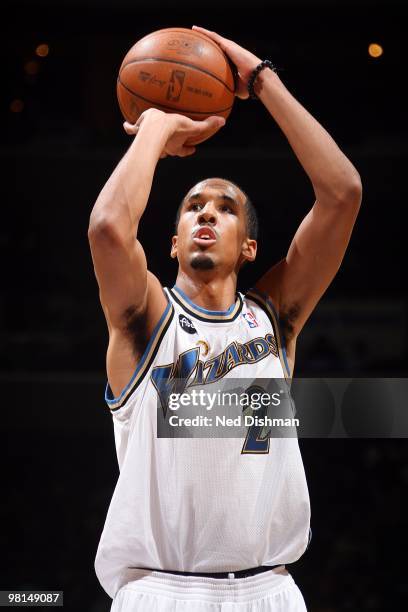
<point x="131" y="296"/>
<point x="317" y="249"/>
<point x="296" y="283"/>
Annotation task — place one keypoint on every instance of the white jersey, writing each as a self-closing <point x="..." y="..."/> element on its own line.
<point x="202" y="504"/>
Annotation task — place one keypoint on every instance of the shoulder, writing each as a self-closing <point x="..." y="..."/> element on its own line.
<point x="132" y="343"/>
<point x="263" y="304"/>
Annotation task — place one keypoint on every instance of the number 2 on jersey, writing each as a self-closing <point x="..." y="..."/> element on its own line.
<point x="257" y="438"/>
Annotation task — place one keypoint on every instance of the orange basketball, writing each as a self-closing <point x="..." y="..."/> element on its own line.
<point x="178" y="71"/>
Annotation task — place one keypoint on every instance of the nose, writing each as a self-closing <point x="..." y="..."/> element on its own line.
<point x="207" y="214"/>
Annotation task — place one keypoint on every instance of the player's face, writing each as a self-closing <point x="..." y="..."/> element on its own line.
<point x="212" y="230"/>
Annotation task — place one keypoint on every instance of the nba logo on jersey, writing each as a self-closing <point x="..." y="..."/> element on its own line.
<point x="250" y="319"/>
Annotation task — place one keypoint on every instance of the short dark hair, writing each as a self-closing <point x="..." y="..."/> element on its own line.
<point x="250" y="210"/>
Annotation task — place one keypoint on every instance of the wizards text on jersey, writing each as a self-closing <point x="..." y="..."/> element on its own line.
<point x="189" y="370"/>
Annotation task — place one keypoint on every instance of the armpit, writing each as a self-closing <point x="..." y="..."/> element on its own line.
<point x="135" y="328"/>
<point x="287" y="318"/>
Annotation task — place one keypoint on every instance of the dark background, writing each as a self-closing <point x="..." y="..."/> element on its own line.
<point x="58" y="463"/>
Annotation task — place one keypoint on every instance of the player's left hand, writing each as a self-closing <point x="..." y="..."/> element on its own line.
<point x="244" y="60"/>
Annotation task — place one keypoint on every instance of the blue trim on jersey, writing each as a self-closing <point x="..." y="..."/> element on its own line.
<point x="109" y="397"/>
<point x="204" y="310"/>
<point x="282" y="337"/>
<point x="268" y="299"/>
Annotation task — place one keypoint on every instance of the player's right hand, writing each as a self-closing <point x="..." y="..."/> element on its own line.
<point x="183" y="133"/>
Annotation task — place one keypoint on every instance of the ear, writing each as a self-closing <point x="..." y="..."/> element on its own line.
<point x="173" y="252"/>
<point x="248" y="251"/>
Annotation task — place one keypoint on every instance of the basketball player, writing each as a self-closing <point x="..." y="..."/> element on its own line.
<point x="208" y="525"/>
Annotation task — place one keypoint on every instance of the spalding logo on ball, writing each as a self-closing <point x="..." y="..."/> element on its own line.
<point x="177" y="71"/>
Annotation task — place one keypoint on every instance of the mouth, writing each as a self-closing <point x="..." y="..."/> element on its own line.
<point x="204" y="236"/>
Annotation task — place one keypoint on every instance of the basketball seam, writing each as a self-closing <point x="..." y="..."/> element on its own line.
<point x="169" y="61"/>
<point x="181" y="110"/>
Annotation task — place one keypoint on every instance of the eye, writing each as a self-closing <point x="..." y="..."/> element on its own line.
<point x="225" y="207"/>
<point x="195" y="206"/>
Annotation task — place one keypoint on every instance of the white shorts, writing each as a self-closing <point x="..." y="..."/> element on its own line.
<point x="270" y="591"/>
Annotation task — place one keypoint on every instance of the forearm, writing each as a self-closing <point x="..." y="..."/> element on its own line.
<point x="124" y="197"/>
<point x="333" y="176"/>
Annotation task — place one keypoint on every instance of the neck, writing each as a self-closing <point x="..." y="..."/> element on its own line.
<point x="212" y="294"/>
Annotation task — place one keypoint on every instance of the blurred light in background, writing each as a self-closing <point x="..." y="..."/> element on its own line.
<point x="42" y="50"/>
<point x="31" y="67"/>
<point x="375" y="50"/>
<point x="16" y="106"/>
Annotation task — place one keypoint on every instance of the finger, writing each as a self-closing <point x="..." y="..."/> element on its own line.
<point x="213" y="123"/>
<point x="242" y="89"/>
<point x="204" y="130"/>
<point x="140" y="119"/>
<point x="209" y="33"/>
<point x="186" y="151"/>
<point x="130" y="128"/>
<point x="220" y="40"/>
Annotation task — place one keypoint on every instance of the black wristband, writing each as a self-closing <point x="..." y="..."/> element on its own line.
<point x="255" y="72"/>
